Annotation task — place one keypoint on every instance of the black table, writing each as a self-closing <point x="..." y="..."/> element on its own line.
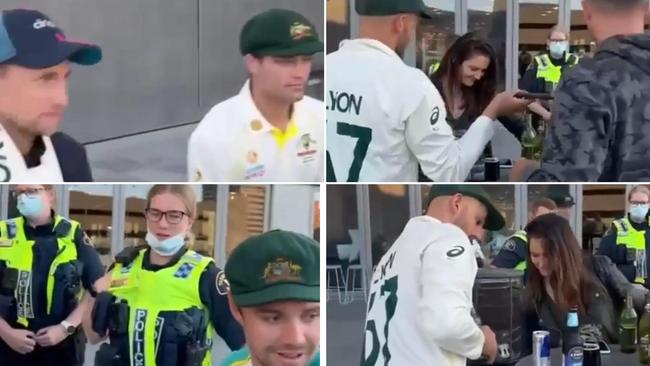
<point x="616" y="358"/>
<point x="477" y="174"/>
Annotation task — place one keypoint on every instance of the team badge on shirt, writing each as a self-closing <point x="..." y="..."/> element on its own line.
<point x="251" y="157"/>
<point x="254" y="169"/>
<point x="454" y="252"/>
<point x="256" y="125"/>
<point x="306" y="148"/>
<point x="435" y="115"/>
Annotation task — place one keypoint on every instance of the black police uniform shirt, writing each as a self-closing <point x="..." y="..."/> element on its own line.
<point x="44" y="252"/>
<point x="70" y="154"/>
<point x="512" y="253"/>
<point x="617" y="254"/>
<point x="212" y="297"/>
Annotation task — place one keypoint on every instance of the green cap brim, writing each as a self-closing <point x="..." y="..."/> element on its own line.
<point x="307" y="48"/>
<point x="494" y="220"/>
<point x="280" y="292"/>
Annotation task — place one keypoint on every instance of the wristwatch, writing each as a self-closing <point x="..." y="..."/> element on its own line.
<point x="69" y="327"/>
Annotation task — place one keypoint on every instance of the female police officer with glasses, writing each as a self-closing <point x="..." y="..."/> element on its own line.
<point x="164" y="299"/>
<point x="45" y="260"/>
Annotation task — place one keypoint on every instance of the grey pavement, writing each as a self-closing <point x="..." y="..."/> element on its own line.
<point x="159" y="156"/>
<point x="345" y="335"/>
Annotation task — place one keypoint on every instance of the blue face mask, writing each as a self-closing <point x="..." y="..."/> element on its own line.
<point x="29" y="206"/>
<point x="639" y="212"/>
<point x="167" y="247"/>
<point x="558" y="49"/>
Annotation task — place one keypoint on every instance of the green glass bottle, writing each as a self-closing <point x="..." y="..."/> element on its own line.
<point x="627" y="333"/>
<point x="528" y="139"/>
<point x="644" y="333"/>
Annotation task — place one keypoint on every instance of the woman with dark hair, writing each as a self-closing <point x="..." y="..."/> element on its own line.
<point x="467" y="81"/>
<point x="561" y="276"/>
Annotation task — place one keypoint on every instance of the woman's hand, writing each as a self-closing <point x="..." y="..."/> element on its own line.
<point x="504" y="104"/>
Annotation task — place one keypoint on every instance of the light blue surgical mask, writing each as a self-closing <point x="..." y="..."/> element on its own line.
<point x="167" y="247"/>
<point x="558" y="49"/>
<point x="29" y="206"/>
<point x="638" y="212"/>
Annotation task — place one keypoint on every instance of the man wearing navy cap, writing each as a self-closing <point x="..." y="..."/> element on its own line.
<point x="35" y="59"/>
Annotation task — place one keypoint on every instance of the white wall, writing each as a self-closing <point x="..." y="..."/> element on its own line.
<point x="292" y="208"/>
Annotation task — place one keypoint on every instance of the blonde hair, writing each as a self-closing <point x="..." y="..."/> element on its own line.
<point x="638" y="189"/>
<point x="182" y="191"/>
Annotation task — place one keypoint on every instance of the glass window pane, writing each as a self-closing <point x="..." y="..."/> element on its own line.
<point x="92" y="206"/>
<point x="536" y="18"/>
<point x="503" y="197"/>
<point x="434" y="36"/>
<point x="601" y="205"/>
<point x="488" y="19"/>
<point x="246" y="214"/>
<point x="554" y="192"/>
<point x="389" y="213"/>
<point x="338" y="23"/>
<point x="342" y="225"/>
<point x="202" y="238"/>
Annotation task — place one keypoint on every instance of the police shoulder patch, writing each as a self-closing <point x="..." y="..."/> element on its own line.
<point x="455" y="251"/>
<point x="87" y="240"/>
<point x="510" y="245"/>
<point x="222" y="283"/>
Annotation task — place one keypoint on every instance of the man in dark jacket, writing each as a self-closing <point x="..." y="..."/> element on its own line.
<point x="35" y="59"/>
<point x="599" y="129"/>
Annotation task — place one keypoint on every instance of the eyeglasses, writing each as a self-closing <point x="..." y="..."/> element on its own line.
<point x="29" y="192"/>
<point x="172" y="216"/>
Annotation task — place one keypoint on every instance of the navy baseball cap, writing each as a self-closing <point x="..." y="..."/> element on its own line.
<point x="30" y="39"/>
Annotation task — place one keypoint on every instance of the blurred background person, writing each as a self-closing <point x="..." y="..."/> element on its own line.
<point x="626" y="242"/>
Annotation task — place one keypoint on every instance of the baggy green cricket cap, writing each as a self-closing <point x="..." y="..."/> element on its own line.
<point x="279" y="32"/>
<point x="275" y="266"/>
<point x="391" y="7"/>
<point x="494" y="220"/>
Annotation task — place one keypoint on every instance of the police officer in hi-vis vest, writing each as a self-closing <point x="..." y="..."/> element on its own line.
<point x="547" y="69"/>
<point x="163" y="300"/>
<point x="626" y="241"/>
<point x="46" y="262"/>
<point x="514" y="252"/>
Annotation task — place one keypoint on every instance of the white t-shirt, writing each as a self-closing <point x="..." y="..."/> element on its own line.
<point x="419" y="309"/>
<point x="13" y="167"/>
<point x="235" y="143"/>
<point x="383" y="117"/>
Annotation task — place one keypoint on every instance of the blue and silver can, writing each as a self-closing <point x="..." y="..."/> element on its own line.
<point x="542" y="348"/>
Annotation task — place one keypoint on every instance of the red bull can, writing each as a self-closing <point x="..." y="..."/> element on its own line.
<point x="542" y="348"/>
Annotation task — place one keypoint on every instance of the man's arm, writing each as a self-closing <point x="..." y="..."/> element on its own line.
<point x="512" y="253"/>
<point x="213" y="296"/>
<point x="430" y="138"/>
<point x="448" y="271"/>
<point x="578" y="139"/>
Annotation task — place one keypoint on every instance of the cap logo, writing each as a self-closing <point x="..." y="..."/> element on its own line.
<point x="300" y="31"/>
<point x="282" y="269"/>
<point x="43" y="23"/>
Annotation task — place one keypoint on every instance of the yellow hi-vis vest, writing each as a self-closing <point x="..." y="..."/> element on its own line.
<point x="549" y="72"/>
<point x="16" y="251"/>
<point x="147" y="293"/>
<point x="521" y="234"/>
<point x="631" y="238"/>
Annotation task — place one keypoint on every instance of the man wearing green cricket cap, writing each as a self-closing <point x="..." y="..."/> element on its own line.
<point x="421" y="291"/>
<point x="275" y="295"/>
<point x="270" y="131"/>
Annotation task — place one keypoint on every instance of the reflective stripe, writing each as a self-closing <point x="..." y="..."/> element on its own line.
<point x="19" y="256"/>
<point x="141" y="289"/>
